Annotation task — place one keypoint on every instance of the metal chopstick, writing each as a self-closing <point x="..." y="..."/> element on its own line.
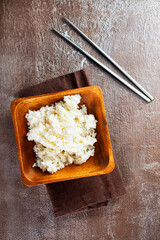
<point x="111" y="60"/>
<point x="104" y="67"/>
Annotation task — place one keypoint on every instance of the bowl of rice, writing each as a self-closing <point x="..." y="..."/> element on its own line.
<point x="62" y="136"/>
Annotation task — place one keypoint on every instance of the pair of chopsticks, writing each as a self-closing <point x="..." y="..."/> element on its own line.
<point x="141" y="92"/>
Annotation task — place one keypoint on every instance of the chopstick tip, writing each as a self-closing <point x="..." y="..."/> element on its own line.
<point x="54" y="30"/>
<point x="152" y="98"/>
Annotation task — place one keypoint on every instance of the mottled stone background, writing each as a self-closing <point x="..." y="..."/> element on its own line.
<point x="129" y="31"/>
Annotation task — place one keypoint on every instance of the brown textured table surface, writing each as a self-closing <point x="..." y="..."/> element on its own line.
<point x="129" y="31"/>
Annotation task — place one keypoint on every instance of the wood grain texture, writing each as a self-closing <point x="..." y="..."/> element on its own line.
<point x="129" y="32"/>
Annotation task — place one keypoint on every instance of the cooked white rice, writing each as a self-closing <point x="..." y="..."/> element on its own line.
<point x="63" y="134"/>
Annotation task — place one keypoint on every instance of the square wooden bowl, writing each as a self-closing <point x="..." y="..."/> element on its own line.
<point x="101" y="163"/>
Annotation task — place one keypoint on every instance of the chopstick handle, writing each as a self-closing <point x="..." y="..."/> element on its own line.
<point x="104" y="67"/>
<point x="111" y="60"/>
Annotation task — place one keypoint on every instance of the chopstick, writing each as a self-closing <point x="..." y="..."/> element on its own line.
<point x="104" y="67"/>
<point x="111" y="60"/>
